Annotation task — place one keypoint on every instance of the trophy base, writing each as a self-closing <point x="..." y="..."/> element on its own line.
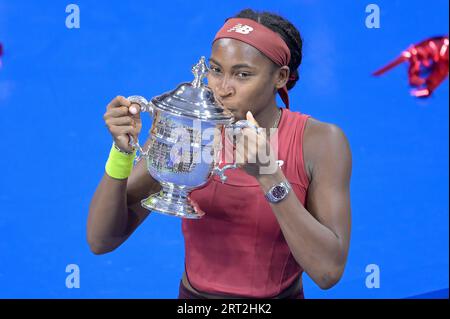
<point x="174" y="201"/>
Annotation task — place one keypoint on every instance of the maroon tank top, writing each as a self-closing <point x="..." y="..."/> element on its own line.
<point x="238" y="248"/>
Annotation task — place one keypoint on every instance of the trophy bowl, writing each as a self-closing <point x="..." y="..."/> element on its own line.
<point x="185" y="143"/>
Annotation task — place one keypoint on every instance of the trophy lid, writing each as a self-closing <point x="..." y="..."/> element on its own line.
<point x="194" y="100"/>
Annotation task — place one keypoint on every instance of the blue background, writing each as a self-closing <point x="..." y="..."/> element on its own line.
<point x="55" y="84"/>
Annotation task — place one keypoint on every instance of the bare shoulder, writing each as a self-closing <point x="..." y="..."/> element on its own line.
<point x="316" y="129"/>
<point x="323" y="142"/>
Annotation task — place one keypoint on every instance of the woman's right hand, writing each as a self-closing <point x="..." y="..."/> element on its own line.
<point x="122" y="118"/>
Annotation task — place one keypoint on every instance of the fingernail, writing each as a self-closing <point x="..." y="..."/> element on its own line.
<point x="133" y="110"/>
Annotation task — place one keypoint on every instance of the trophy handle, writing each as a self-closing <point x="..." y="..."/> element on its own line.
<point x="145" y="106"/>
<point x="237" y="127"/>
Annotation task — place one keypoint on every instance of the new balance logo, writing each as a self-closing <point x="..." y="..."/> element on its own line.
<point x="240" y="28"/>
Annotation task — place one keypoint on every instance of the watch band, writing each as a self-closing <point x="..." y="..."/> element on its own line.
<point x="122" y="151"/>
<point x="278" y="192"/>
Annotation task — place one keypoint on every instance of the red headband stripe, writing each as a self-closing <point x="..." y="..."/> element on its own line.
<point x="261" y="38"/>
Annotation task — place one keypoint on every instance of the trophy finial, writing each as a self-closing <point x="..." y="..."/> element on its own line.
<point x="199" y="70"/>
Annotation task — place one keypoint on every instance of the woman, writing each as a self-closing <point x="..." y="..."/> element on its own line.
<point x="260" y="231"/>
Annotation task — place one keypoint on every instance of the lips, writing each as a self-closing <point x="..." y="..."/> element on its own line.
<point x="228" y="107"/>
<point x="234" y="111"/>
<point x="231" y="109"/>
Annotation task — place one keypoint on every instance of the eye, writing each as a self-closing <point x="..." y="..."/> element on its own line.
<point x="214" y="69"/>
<point x="243" y="75"/>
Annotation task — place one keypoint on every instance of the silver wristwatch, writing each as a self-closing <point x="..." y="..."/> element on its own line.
<point x="278" y="192"/>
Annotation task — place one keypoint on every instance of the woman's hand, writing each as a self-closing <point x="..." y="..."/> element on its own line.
<point x="122" y="118"/>
<point x="254" y="152"/>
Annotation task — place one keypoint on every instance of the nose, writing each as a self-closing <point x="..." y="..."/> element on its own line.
<point x="224" y="89"/>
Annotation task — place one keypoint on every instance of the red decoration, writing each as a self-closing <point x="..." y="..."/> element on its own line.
<point x="428" y="65"/>
<point x="1" y="53"/>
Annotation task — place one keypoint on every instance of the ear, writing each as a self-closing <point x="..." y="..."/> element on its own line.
<point x="281" y="76"/>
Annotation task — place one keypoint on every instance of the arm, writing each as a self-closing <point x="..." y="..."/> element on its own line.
<point x="115" y="210"/>
<point x="319" y="236"/>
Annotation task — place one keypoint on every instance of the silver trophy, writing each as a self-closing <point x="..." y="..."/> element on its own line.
<point x="178" y="144"/>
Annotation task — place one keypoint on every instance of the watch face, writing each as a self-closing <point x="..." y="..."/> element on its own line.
<point x="278" y="192"/>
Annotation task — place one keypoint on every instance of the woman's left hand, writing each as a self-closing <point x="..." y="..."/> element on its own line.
<point x="254" y="152"/>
